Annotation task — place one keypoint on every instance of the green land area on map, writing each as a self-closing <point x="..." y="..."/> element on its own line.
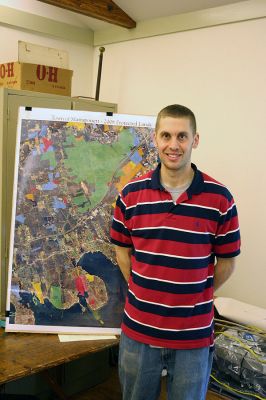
<point x="88" y="160"/>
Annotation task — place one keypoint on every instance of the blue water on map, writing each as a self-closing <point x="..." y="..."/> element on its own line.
<point x="58" y="203"/>
<point x="136" y="157"/>
<point x="20" y="218"/>
<point x="49" y="186"/>
<point x="110" y="314"/>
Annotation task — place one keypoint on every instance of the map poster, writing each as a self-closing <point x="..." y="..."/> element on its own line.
<point x="70" y="167"/>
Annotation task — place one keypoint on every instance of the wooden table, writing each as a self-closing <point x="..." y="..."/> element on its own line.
<point x="23" y="354"/>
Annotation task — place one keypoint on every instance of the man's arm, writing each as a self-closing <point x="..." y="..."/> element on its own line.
<point x="123" y="257"/>
<point x="223" y="269"/>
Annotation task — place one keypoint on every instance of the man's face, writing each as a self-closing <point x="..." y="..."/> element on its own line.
<point x="174" y="140"/>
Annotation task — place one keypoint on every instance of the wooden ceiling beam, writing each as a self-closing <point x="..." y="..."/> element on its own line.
<point x="105" y="10"/>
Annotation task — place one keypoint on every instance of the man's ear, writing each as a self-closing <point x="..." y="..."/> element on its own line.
<point x="195" y="141"/>
<point x="154" y="138"/>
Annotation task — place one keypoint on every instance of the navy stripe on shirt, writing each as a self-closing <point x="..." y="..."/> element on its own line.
<point x="170" y="207"/>
<point x="169" y="311"/>
<point x="137" y="186"/>
<point x="165" y="233"/>
<point x="194" y="334"/>
<point x="230" y="238"/>
<point x="173" y="262"/>
<point x="168" y="287"/>
<point x="119" y="227"/>
<point x="214" y="188"/>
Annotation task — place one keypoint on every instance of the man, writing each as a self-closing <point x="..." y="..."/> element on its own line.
<point x="176" y="234"/>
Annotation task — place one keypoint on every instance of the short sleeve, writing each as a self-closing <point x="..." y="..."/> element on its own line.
<point x="227" y="239"/>
<point x="120" y="235"/>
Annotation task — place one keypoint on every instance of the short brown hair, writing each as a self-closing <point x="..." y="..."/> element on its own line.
<point x="177" y="111"/>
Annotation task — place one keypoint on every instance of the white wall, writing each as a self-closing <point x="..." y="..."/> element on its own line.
<point x="80" y="56"/>
<point x="220" y="73"/>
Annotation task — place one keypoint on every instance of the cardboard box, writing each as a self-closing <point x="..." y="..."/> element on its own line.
<point x="35" y="77"/>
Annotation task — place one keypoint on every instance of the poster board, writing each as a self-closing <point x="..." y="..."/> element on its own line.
<point x="70" y="167"/>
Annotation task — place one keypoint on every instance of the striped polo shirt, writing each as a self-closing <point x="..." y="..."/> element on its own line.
<point x="174" y="245"/>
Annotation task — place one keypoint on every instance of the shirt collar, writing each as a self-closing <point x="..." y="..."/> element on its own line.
<point x="196" y="186"/>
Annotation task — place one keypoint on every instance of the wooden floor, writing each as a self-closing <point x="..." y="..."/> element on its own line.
<point x="110" y="390"/>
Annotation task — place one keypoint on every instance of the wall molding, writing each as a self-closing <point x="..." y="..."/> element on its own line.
<point x="25" y="21"/>
<point x="237" y="12"/>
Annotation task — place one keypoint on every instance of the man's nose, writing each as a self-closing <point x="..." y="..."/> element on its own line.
<point x="174" y="144"/>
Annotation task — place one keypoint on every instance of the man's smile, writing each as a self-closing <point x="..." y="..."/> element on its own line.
<point x="173" y="156"/>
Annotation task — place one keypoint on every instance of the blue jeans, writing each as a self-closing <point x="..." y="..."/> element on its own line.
<point x="140" y="369"/>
